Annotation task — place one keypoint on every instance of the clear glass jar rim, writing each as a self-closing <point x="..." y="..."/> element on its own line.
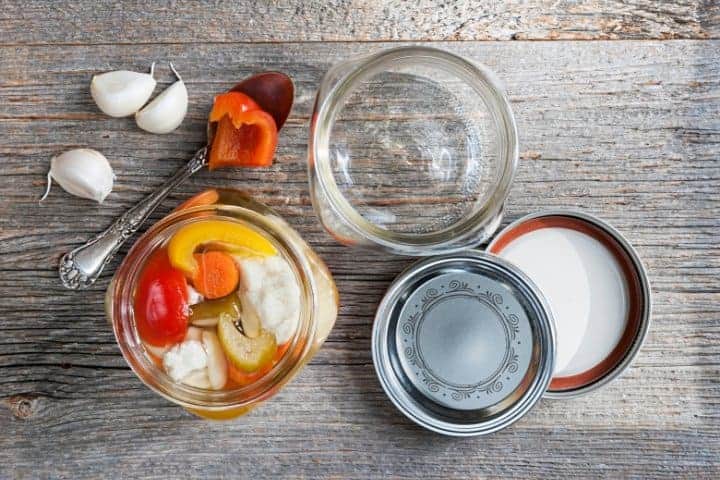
<point x="472" y="73"/>
<point x="120" y="292"/>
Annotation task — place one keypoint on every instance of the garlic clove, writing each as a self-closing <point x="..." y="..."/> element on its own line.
<point x="216" y="363"/>
<point x="193" y="333"/>
<point x="166" y="111"/>
<point x="82" y="172"/>
<point x="122" y="93"/>
<point x="206" y="322"/>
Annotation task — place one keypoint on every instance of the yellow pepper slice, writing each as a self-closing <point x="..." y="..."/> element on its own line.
<point x="183" y="244"/>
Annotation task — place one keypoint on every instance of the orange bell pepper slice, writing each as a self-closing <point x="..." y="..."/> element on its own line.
<point x="232" y="103"/>
<point x="246" y="136"/>
<point x="206" y="197"/>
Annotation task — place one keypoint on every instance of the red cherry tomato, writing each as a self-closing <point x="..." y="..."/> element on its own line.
<point x="160" y="307"/>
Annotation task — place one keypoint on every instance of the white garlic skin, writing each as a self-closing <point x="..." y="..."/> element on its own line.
<point x="166" y="112"/>
<point x="122" y="93"/>
<point x="82" y="172"/>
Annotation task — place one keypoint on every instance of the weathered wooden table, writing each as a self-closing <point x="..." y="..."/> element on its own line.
<point x="618" y="115"/>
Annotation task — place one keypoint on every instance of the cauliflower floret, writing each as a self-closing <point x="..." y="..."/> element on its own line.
<point x="269" y="285"/>
<point x="184" y="358"/>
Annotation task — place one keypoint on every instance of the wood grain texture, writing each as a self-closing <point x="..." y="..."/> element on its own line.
<point x="109" y="21"/>
<point x="626" y="130"/>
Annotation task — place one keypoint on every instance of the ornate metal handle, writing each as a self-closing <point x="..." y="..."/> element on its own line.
<point x="82" y="266"/>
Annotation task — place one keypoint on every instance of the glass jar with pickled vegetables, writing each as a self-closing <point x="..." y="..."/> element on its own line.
<point x="220" y="304"/>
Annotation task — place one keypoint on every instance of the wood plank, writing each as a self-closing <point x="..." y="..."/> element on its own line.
<point x="627" y="130"/>
<point x="108" y="21"/>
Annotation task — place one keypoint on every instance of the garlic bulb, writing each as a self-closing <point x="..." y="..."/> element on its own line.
<point x="122" y="93"/>
<point x="82" y="172"/>
<point x="167" y="111"/>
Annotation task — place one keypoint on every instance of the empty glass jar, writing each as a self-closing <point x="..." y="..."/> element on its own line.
<point x="412" y="150"/>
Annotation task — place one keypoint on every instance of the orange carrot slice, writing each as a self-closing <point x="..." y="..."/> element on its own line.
<point x="216" y="275"/>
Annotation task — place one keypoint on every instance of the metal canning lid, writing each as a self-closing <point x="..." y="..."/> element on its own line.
<point x="464" y="344"/>
<point x="633" y="275"/>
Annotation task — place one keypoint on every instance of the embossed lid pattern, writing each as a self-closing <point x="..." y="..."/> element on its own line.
<point x="463" y="344"/>
<point x="464" y="340"/>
